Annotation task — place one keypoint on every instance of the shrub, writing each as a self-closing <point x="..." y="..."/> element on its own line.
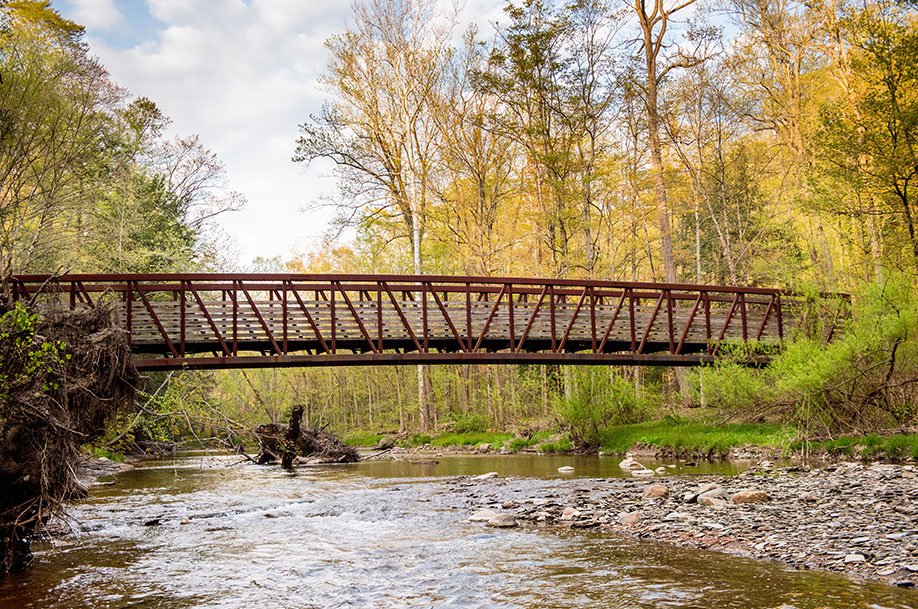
<point x="598" y="399"/>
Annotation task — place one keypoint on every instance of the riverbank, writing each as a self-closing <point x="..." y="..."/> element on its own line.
<point x="668" y="438"/>
<point x="850" y="518"/>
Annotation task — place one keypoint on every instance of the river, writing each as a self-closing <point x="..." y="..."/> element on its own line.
<point x="208" y="531"/>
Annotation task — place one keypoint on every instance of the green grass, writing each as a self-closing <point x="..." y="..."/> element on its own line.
<point x="695" y="437"/>
<point x="362" y="438"/>
<point x="561" y="446"/>
<point x="495" y="439"/>
<point x="536" y="438"/>
<point x="897" y="446"/>
<point x="98" y="453"/>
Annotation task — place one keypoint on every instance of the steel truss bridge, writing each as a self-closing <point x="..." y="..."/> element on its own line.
<point x="223" y="320"/>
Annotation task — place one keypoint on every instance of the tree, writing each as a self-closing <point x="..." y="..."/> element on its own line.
<point x="659" y="61"/>
<point x="379" y="131"/>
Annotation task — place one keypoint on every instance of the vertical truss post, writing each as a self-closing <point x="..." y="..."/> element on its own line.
<point x="235" y="296"/>
<point x="284" y="315"/>
<point x="379" y="324"/>
<point x="468" y="315"/>
<point x="510" y="315"/>
<point x="182" y="304"/>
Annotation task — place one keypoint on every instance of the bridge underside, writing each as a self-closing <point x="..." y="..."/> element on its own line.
<point x="211" y="321"/>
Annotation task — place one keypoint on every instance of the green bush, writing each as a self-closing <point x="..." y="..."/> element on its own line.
<point x="860" y="379"/>
<point x="536" y="438"/>
<point x="362" y="438"/>
<point x="561" y="446"/>
<point x="471" y="439"/>
<point x="598" y="399"/>
<point x="466" y="423"/>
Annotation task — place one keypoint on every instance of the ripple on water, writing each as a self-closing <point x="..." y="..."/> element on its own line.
<point x="348" y="537"/>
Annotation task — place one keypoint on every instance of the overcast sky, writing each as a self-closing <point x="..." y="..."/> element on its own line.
<point x="243" y="75"/>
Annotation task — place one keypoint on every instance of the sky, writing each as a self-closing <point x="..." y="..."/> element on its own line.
<point x="243" y="74"/>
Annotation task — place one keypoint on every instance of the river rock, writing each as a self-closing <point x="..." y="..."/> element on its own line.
<point x="482" y="516"/>
<point x="854" y="558"/>
<point x="566" y="469"/>
<point x="660" y="470"/>
<point x="483" y="448"/>
<point x="655" y="491"/>
<point x="711" y="501"/>
<point x="630" y="463"/>
<point x="503" y="521"/>
<point x="569" y="513"/>
<point x="749" y="496"/>
<point x="642" y="473"/>
<point x="487" y="476"/>
<point x="630" y="518"/>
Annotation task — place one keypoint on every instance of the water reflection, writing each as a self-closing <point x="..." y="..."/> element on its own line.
<point x="378" y="535"/>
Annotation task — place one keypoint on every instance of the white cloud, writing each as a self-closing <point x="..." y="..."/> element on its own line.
<point x="98" y="14"/>
<point x="243" y="76"/>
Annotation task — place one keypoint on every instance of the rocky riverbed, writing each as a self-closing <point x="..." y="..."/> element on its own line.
<point x="858" y="519"/>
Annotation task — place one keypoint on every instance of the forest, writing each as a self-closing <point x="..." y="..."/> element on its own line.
<point x="767" y="143"/>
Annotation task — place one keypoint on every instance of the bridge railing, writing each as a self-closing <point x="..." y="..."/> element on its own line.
<point x="181" y="318"/>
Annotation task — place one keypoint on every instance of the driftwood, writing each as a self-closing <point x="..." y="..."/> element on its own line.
<point x="285" y="443"/>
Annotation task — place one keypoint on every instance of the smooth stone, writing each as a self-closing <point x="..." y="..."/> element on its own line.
<point x="717" y="493"/>
<point x="482" y="516"/>
<point x="185" y="521"/>
<point x="569" y="513"/>
<point x="630" y="463"/>
<point x="483" y="448"/>
<point x="566" y="469"/>
<point x="860" y="540"/>
<point x="896" y="535"/>
<point x="655" y="491"/>
<point x="641" y="473"/>
<point x="711" y="501"/>
<point x="674" y="516"/>
<point x="749" y="496"/>
<point x="660" y="470"/>
<point x="487" y="476"/>
<point x="630" y="518"/>
<point x="707" y="488"/>
<point x="854" y="559"/>
<point x="503" y="521"/>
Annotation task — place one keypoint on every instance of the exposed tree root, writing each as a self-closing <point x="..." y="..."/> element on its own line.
<point x="62" y="377"/>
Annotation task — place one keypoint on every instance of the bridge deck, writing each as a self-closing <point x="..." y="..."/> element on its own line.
<point x="224" y="321"/>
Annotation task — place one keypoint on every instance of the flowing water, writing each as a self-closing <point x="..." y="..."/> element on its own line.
<point x="380" y="534"/>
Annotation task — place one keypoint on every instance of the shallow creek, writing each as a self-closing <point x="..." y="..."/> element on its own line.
<point x="381" y="534"/>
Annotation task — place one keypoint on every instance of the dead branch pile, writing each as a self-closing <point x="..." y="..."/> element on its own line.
<point x="62" y="378"/>
<point x="277" y="443"/>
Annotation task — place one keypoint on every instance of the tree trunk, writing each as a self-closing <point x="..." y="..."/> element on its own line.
<point x="290" y="438"/>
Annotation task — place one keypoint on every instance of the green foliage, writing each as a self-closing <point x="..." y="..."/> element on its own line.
<point x="695" y="437"/>
<point x="534" y="439"/>
<point x="563" y="445"/>
<point x="98" y="452"/>
<point x="467" y="423"/>
<point x="362" y="438"/>
<point x="861" y="379"/>
<point x="872" y="446"/>
<point x="471" y="439"/>
<point x="598" y="399"/>
<point x="23" y="358"/>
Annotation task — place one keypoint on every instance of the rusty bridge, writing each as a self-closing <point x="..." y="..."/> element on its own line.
<point x="206" y="321"/>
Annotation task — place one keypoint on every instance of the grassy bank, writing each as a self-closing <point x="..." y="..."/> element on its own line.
<point x="696" y="438"/>
<point x="896" y="447"/>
